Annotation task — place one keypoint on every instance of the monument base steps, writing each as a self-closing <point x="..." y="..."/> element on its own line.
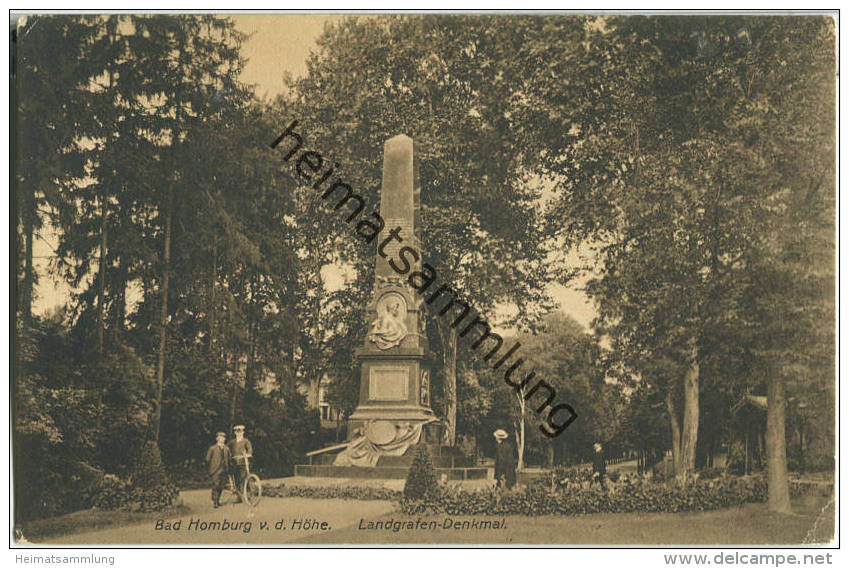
<point x="385" y="472"/>
<point x="447" y="460"/>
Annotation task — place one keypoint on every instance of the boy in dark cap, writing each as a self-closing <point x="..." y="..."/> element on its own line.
<point x="218" y="460"/>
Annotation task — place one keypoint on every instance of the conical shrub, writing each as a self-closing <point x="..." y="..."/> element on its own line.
<point x="152" y="489"/>
<point x="148" y="471"/>
<point x="421" y="479"/>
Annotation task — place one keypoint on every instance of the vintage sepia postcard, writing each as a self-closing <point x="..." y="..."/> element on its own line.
<point x="475" y="279"/>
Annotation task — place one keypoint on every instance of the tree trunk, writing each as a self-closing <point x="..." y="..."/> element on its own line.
<point x="448" y="337"/>
<point x="675" y="426"/>
<point x="101" y="284"/>
<point x="313" y="397"/>
<point x="317" y="341"/>
<point x="29" y="271"/>
<point x="778" y="487"/>
<point x="166" y="255"/>
<point x="235" y="392"/>
<point x="163" y="315"/>
<point x="104" y="218"/>
<point x="119" y="309"/>
<point x="212" y="306"/>
<point x="520" y="433"/>
<point x="101" y="298"/>
<point x="690" y="425"/>
<point x="250" y="370"/>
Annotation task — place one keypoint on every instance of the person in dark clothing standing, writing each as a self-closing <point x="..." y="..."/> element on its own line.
<point x="505" y="461"/>
<point x="599" y="466"/>
<point x="240" y="448"/>
<point x="218" y="460"/>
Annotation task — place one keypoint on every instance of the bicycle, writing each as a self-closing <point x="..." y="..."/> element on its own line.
<point x="251" y="490"/>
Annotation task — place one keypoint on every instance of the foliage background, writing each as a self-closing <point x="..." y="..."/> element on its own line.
<point x="682" y="167"/>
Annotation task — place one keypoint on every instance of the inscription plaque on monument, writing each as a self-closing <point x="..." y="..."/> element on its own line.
<point x="388" y="382"/>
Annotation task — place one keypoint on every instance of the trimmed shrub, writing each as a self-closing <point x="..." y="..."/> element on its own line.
<point x="153" y="499"/>
<point x="109" y="493"/>
<point x="421" y="479"/>
<point x="799" y="488"/>
<point x="112" y="493"/>
<point x="336" y="492"/>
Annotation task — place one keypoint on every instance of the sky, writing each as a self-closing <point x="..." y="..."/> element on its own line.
<point x="277" y="44"/>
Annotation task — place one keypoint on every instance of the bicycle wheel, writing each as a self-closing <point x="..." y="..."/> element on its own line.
<point x="252" y="490"/>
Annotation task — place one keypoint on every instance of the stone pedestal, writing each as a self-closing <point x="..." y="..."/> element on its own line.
<point x="394" y="382"/>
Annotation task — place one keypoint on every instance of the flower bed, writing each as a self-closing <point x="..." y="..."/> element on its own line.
<point x="573" y="495"/>
<point x="580" y="499"/>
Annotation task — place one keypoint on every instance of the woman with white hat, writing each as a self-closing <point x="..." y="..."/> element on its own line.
<point x="505" y="460"/>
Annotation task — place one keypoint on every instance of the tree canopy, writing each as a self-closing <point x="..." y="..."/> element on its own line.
<point x="689" y="160"/>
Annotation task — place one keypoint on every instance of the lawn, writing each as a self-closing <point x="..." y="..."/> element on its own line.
<point x="90" y="520"/>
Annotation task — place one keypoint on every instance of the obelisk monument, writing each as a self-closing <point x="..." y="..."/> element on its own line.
<point x="394" y="401"/>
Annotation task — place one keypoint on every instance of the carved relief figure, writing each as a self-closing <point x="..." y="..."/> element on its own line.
<point x="389" y="329"/>
<point x="425" y="389"/>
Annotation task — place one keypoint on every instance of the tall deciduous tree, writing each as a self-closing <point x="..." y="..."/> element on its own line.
<point x="790" y="305"/>
<point x="672" y="144"/>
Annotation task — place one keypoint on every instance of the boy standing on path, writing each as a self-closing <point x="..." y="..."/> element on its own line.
<point x="218" y="460"/>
